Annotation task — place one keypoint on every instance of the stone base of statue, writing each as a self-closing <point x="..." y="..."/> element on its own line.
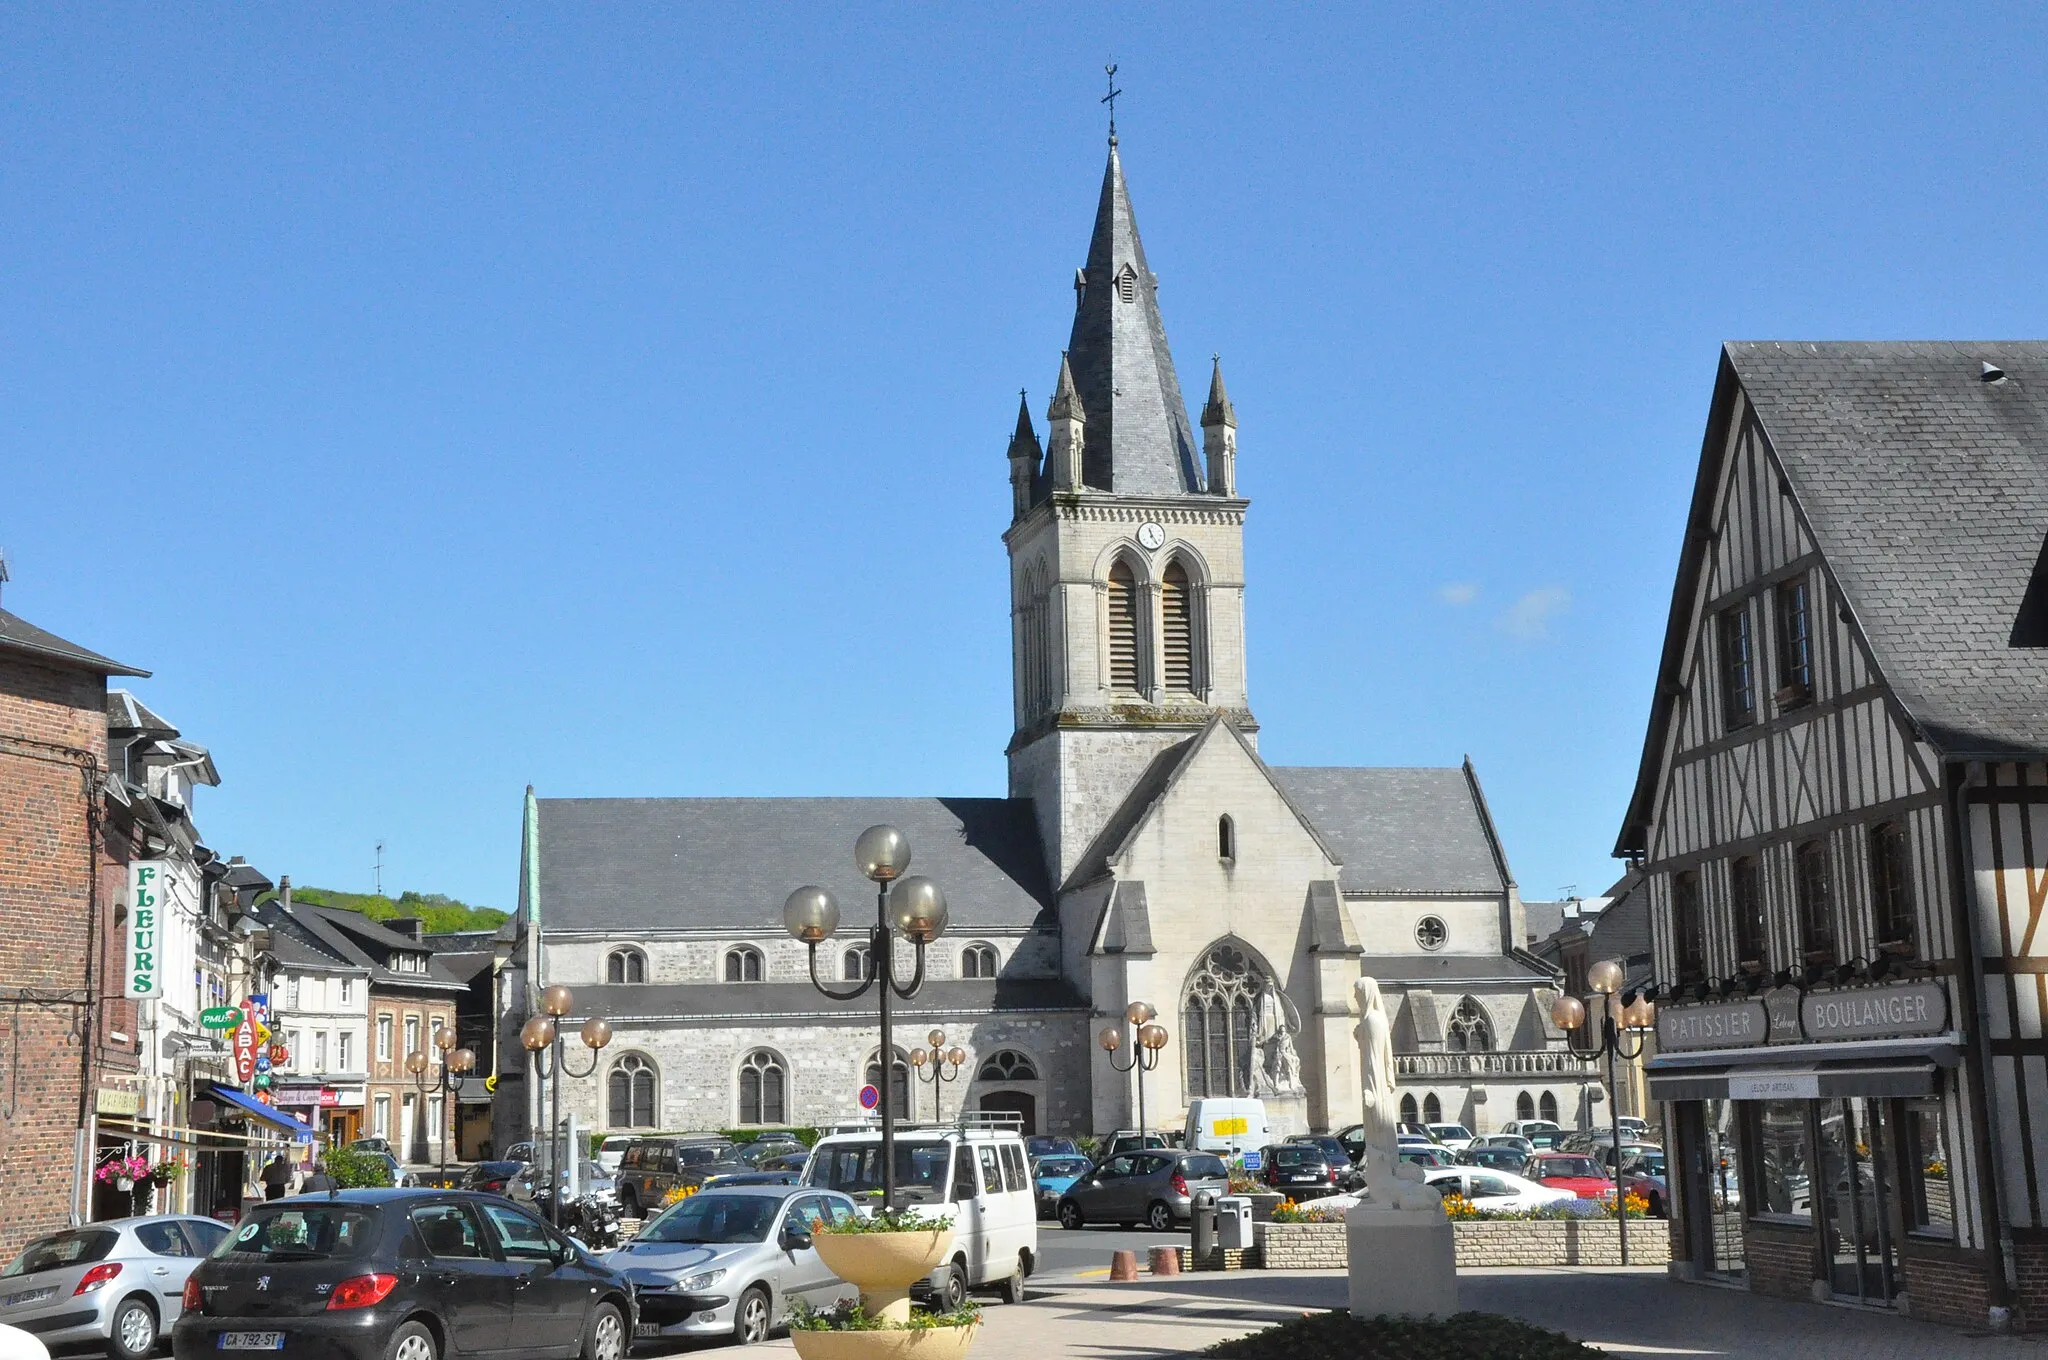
<point x="1286" y="1114"/>
<point x="1403" y="1261"/>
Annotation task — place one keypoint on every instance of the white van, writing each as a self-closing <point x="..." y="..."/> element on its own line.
<point x="975" y="1173"/>
<point x="1226" y="1126"/>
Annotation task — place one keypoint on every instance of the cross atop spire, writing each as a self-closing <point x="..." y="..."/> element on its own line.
<point x="1110" y="99"/>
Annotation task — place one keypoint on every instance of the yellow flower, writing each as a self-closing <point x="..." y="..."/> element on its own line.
<point x="678" y="1195"/>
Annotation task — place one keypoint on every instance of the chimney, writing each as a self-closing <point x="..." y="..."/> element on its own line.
<point x="412" y="927"/>
<point x="284" y="889"/>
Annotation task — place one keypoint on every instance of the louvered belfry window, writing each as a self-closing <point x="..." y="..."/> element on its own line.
<point x="1123" y="628"/>
<point x="1176" y="610"/>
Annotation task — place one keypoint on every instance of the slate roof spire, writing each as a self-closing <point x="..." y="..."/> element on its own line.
<point x="1219" y="411"/>
<point x="1025" y="455"/>
<point x="1138" y="440"/>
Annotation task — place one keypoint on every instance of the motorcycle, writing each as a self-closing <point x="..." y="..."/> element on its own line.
<point x="592" y="1220"/>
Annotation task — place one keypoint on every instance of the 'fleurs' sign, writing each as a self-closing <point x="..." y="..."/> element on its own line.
<point x="145" y="977"/>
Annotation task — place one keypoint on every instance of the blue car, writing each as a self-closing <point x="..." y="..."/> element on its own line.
<point x="1050" y="1178"/>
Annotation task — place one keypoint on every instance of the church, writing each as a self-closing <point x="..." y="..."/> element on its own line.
<point x="1144" y="853"/>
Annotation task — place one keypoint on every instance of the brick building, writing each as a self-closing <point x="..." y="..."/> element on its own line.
<point x="56" y="937"/>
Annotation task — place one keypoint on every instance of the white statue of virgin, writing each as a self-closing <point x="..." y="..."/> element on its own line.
<point x="1403" y="1186"/>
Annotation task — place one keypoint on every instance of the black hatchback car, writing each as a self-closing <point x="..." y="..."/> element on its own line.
<point x="402" y="1275"/>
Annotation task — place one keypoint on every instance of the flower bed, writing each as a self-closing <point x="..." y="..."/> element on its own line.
<point x="1480" y="1242"/>
<point x="1467" y="1336"/>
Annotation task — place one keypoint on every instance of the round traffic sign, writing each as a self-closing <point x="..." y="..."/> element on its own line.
<point x="870" y="1097"/>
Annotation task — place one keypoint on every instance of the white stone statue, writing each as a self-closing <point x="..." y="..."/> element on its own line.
<point x="1279" y="1063"/>
<point x="1390" y="1182"/>
<point x="1402" y="1256"/>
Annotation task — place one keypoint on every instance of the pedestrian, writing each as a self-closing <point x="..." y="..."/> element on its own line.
<point x="317" y="1181"/>
<point x="277" y="1177"/>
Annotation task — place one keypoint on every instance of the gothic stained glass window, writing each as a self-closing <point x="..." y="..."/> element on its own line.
<point x="763" y="1088"/>
<point x="1217" y="1018"/>
<point x="1469" y="1030"/>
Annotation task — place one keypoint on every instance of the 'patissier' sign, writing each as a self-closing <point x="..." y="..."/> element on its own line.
<point x="1726" y="1024"/>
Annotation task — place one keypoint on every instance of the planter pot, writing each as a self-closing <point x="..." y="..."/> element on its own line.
<point x="884" y="1265"/>
<point x="928" y="1343"/>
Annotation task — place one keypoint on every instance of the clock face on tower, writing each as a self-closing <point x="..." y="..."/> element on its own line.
<point x="1151" y="535"/>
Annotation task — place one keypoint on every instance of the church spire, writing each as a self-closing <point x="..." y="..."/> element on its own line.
<point x="1024" y="459"/>
<point x="1138" y="437"/>
<point x="1219" y="433"/>
<point x="1066" y="420"/>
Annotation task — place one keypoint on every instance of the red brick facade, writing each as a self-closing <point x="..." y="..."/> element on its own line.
<point x="53" y="747"/>
<point x="387" y="1075"/>
<point x="1779" y="1261"/>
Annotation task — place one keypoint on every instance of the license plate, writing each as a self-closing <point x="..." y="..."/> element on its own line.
<point x="648" y="1329"/>
<point x="252" y="1341"/>
<point x="29" y="1296"/>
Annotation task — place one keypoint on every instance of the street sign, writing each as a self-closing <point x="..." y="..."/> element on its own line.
<point x="142" y="934"/>
<point x="1253" y="1161"/>
<point x="245" y="1044"/>
<point x="220" y="1017"/>
<point x="263" y="1081"/>
<point x="870" y="1097"/>
<point x="280" y="1055"/>
<point x="262" y="1063"/>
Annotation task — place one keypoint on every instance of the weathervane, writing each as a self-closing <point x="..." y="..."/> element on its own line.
<point x="1110" y="99"/>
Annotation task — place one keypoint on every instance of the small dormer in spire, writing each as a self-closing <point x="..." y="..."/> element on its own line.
<point x="1066" y="420"/>
<point x="1219" y="434"/>
<point x="1025" y="456"/>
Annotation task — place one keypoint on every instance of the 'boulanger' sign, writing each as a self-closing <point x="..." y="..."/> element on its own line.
<point x="145" y="934"/>
<point x="1904" y="1010"/>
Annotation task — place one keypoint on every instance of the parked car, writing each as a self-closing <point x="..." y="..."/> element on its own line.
<point x="1426" y="1155"/>
<point x="654" y="1166"/>
<point x="403" y="1274"/>
<point x="1130" y="1140"/>
<point x="731" y="1259"/>
<point x="1050" y="1177"/>
<point x="767" y="1147"/>
<point x="1420" y="1131"/>
<point x="1352" y="1136"/>
<point x="976" y="1171"/>
<point x="731" y="1178"/>
<point x="1329" y="1145"/>
<point x="1506" y="1140"/>
<point x="1485" y="1189"/>
<point x="1542" y="1133"/>
<point x="119" y="1283"/>
<point x="382" y="1145"/>
<point x="1573" y="1171"/>
<point x="791" y="1161"/>
<point x="1225" y="1125"/>
<point x="611" y="1150"/>
<point x="1298" y="1170"/>
<point x="1456" y="1137"/>
<point x="1633" y="1127"/>
<point x="1152" y="1187"/>
<point x="1498" y="1158"/>
<point x="493" y="1177"/>
<point x="1042" y="1145"/>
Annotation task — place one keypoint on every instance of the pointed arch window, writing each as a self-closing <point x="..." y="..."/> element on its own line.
<point x="1123" y="628"/>
<point x="1217" y="1019"/>
<point x="1226" y="837"/>
<point x="1432" y="1109"/>
<point x="625" y="965"/>
<point x="743" y="964"/>
<point x="978" y="961"/>
<point x="1548" y="1107"/>
<point x="854" y="965"/>
<point x="1409" y="1113"/>
<point x="1469" y="1030"/>
<point x="630" y="1093"/>
<point x="1177" y="624"/>
<point x="764" y="1088"/>
<point x="899" y="1080"/>
<point x="1525" y="1106"/>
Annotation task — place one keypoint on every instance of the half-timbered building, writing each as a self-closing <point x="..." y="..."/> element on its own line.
<point x="1842" y="818"/>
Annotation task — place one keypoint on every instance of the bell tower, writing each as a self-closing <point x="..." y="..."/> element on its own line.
<point x="1126" y="563"/>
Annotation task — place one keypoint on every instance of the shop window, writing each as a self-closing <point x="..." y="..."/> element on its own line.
<point x="1891" y="890"/>
<point x="1688" y="929"/>
<point x="1777" y="1183"/>
<point x="1816" y="904"/>
<point x="1547" y="1107"/>
<point x="1746" y="902"/>
<point x="1924" y="1153"/>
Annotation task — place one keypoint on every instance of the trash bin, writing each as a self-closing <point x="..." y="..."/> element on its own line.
<point x="1234" y="1223"/>
<point x="1202" y="1223"/>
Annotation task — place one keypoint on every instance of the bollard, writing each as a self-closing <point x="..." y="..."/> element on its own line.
<point x="1202" y="1222"/>
<point x="1123" y="1267"/>
<point x="1166" y="1260"/>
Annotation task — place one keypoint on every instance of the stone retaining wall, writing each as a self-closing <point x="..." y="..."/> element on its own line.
<point x="1509" y="1242"/>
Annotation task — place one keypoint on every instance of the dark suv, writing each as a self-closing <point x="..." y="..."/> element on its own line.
<point x="652" y="1167"/>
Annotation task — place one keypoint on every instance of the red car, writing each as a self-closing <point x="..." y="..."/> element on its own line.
<point x="1573" y="1171"/>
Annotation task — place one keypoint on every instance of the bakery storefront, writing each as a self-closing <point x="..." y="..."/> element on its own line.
<point x="1814" y="1138"/>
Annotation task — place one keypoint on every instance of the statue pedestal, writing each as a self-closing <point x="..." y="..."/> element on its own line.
<point x="1403" y="1261"/>
<point x="1286" y="1115"/>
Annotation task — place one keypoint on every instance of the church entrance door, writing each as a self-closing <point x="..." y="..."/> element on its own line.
<point x="1018" y="1103"/>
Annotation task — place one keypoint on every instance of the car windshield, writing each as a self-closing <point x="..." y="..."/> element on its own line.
<point x="77" y="1247"/>
<point x="857" y="1167"/>
<point x="1499" y="1158"/>
<point x="707" y="1217"/>
<point x="1647" y="1163"/>
<point x="1450" y="1130"/>
<point x="304" y="1234"/>
<point x="1062" y="1166"/>
<point x="1572" y="1166"/>
<point x="1204" y="1167"/>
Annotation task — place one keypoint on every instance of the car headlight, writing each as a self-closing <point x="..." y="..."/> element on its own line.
<point x="701" y="1281"/>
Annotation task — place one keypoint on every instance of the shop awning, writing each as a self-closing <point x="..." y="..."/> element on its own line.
<point x="298" y="1128"/>
<point x="1871" y="1077"/>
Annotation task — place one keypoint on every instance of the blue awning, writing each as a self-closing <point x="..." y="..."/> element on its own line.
<point x="300" y="1130"/>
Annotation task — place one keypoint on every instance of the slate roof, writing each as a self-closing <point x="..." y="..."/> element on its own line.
<point x="20" y="636"/>
<point x="722" y="1002"/>
<point x="640" y="864"/>
<point x="1400" y="830"/>
<point x="126" y="713"/>
<point x="1926" y="489"/>
<point x="355" y="939"/>
<point x="1544" y="919"/>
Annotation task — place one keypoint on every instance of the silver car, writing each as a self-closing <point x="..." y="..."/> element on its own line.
<point x="121" y="1283"/>
<point x="730" y="1261"/>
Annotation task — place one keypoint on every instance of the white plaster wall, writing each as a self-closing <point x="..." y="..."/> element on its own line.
<point x="1386" y="925"/>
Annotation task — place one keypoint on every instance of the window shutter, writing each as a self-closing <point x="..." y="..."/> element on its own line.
<point x="1176" y="608"/>
<point x="1123" y="629"/>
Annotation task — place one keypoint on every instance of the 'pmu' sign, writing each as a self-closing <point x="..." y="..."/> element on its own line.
<point x="145" y="929"/>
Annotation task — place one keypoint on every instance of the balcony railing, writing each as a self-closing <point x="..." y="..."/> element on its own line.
<point x="1529" y="1063"/>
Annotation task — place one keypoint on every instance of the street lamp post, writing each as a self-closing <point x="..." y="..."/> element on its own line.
<point x="1618" y="1019"/>
<point x="455" y="1064"/>
<point x="1147" y="1041"/>
<point x="913" y="907"/>
<point x="541" y="1036"/>
<point x="945" y="1066"/>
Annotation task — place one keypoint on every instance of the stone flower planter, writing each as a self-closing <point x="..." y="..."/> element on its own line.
<point x="885" y="1265"/>
<point x="908" y="1343"/>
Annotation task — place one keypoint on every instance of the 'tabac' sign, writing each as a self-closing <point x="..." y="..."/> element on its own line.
<point x="245" y="1045"/>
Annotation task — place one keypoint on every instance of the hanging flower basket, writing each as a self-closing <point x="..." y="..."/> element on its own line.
<point x="165" y="1172"/>
<point x="122" y="1172"/>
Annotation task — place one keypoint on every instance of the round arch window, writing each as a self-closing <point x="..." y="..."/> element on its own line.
<point x="1431" y="932"/>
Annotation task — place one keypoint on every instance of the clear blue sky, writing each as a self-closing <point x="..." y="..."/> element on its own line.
<point x="614" y="399"/>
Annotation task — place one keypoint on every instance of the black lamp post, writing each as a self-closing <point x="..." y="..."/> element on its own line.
<point x="449" y="1072"/>
<point x="944" y="1064"/>
<point x="914" y="907"/>
<point x="1617" y="1022"/>
<point x="1147" y="1041"/>
<point x="541" y="1037"/>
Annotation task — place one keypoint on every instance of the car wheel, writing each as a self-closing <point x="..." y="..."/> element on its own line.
<point x="751" y="1319"/>
<point x="1070" y="1215"/>
<point x="1011" y="1290"/>
<point x="953" y="1293"/>
<point x="1159" y="1218"/>
<point x="606" y="1337"/>
<point x="629" y="1203"/>
<point x="133" y="1333"/>
<point x="412" y="1341"/>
